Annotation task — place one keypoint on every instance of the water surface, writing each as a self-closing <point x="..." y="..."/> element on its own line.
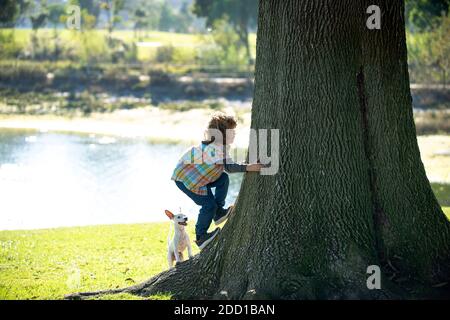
<point x="54" y="179"/>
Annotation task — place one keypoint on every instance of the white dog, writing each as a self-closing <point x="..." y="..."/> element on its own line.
<point x="180" y="239"/>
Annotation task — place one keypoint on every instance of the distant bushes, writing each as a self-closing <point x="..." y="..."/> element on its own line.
<point x="84" y="102"/>
<point x="65" y="103"/>
<point x="429" y="54"/>
<point x="217" y="51"/>
<point x="165" y="54"/>
<point x="161" y="82"/>
<point x="87" y="47"/>
<point x="222" y="48"/>
<point x="26" y="72"/>
<point x="219" y="48"/>
<point x="189" y="105"/>
<point x="432" y="122"/>
<point x="8" y="46"/>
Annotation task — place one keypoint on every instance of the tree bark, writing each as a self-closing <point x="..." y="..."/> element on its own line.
<point x="351" y="190"/>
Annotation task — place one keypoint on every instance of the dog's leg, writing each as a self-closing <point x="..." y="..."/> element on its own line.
<point x="189" y="249"/>
<point x="177" y="256"/>
<point x="170" y="258"/>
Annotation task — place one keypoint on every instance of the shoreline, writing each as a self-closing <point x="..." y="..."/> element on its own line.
<point x="150" y="123"/>
<point x="186" y="128"/>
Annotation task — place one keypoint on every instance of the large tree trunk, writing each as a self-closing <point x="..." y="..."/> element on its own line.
<point x="351" y="190"/>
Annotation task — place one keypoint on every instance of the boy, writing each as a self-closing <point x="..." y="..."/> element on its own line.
<point x="202" y="168"/>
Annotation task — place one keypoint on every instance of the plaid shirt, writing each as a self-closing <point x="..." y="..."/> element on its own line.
<point x="200" y="165"/>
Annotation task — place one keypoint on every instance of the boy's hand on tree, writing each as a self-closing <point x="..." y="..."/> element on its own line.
<point x="255" y="167"/>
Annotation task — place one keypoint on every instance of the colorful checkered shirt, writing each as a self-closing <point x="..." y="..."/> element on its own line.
<point x="200" y="165"/>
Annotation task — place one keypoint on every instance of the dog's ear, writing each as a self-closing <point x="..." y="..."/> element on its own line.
<point x="169" y="214"/>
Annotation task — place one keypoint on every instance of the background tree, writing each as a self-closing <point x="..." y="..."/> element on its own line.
<point x="55" y="13"/>
<point x="9" y="12"/>
<point x="430" y="51"/>
<point x="186" y="18"/>
<point x="12" y="13"/>
<point x="351" y="190"/>
<point x="23" y="7"/>
<point x="140" y="22"/>
<point x="90" y="7"/>
<point x="222" y="47"/>
<point x="428" y="47"/>
<point x="425" y="14"/>
<point x="117" y="47"/>
<point x="152" y="11"/>
<point x="241" y="14"/>
<point x="440" y="48"/>
<point x="112" y="9"/>
<point x="39" y="15"/>
<point x="167" y="18"/>
<point x="8" y="16"/>
<point x="90" y="11"/>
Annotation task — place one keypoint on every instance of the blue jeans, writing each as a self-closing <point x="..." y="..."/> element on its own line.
<point x="209" y="203"/>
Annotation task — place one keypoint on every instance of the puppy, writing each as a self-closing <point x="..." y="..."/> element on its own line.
<point x="180" y="240"/>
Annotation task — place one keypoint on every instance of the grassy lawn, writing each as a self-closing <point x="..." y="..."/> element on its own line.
<point x="47" y="264"/>
<point x="185" y="42"/>
<point x="22" y="36"/>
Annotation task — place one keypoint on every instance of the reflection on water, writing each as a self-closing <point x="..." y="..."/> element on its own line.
<point x="52" y="179"/>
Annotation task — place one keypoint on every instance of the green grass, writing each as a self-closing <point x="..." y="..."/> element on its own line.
<point x="22" y="36"/>
<point x="187" y="43"/>
<point x="127" y="296"/>
<point x="49" y="263"/>
<point x="447" y="212"/>
<point x="442" y="192"/>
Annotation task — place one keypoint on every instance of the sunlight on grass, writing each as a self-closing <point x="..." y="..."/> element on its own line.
<point x="442" y="192"/>
<point x="48" y="264"/>
<point x="23" y="35"/>
<point x="127" y="296"/>
<point x="447" y="212"/>
<point x="187" y="42"/>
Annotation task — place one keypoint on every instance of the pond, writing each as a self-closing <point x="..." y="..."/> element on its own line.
<point x="52" y="179"/>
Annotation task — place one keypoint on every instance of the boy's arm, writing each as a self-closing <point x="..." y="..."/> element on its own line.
<point x="233" y="167"/>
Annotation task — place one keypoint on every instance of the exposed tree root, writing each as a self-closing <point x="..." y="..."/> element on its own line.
<point x="186" y="280"/>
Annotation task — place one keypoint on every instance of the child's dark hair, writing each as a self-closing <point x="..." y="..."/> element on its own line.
<point x="219" y="121"/>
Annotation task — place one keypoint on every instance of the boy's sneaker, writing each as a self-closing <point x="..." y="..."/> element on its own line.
<point x="203" y="240"/>
<point x="222" y="215"/>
